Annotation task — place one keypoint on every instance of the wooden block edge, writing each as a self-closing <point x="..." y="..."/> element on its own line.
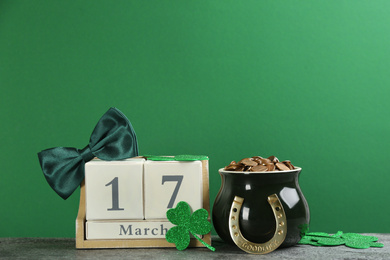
<point x="83" y="243"/>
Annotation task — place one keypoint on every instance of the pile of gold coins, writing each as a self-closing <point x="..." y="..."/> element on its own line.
<point x="260" y="164"/>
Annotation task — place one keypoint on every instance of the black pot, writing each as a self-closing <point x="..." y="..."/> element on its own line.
<point x="257" y="221"/>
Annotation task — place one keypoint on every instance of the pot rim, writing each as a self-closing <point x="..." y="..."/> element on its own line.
<point x="297" y="169"/>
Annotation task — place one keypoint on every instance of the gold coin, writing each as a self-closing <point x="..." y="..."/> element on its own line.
<point x="240" y="168"/>
<point x="259" y="168"/>
<point x="289" y="164"/>
<point x="281" y="166"/>
<point x="260" y="164"/>
<point x="273" y="159"/>
<point x="270" y="167"/>
<point x="257" y="159"/>
<point x="232" y="167"/>
<point x="265" y="161"/>
<point x="248" y="162"/>
<point x="247" y="168"/>
<point x="229" y="168"/>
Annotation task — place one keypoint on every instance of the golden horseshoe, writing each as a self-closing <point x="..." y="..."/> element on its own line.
<point x="258" y="248"/>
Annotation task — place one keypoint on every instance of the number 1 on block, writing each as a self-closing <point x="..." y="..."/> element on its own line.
<point x="114" y="190"/>
<point x="115" y="194"/>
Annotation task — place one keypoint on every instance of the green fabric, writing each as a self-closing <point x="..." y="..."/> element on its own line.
<point x="112" y="139"/>
<point x="183" y="157"/>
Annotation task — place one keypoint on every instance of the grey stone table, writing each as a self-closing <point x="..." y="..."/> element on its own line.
<point x="64" y="248"/>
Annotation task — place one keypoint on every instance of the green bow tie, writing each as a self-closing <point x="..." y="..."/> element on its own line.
<point x="112" y="139"/>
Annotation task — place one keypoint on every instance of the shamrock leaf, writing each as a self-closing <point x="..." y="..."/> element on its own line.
<point x="186" y="223"/>
<point x="179" y="215"/>
<point x="182" y="157"/>
<point x="159" y="158"/>
<point x="352" y="240"/>
<point x="330" y="241"/>
<point x="359" y="241"/>
<point x="352" y="236"/>
<point x="187" y="157"/>
<point x="179" y="236"/>
<point x="357" y="244"/>
<point x="338" y="234"/>
<point x="198" y="222"/>
<point x="325" y="239"/>
<point x="375" y="244"/>
<point x="308" y="241"/>
<point x="318" y="234"/>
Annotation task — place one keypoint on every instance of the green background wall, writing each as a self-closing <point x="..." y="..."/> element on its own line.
<point x="303" y="80"/>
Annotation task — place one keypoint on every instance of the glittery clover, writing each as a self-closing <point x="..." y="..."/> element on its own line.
<point x="352" y="240"/>
<point x="183" y="157"/>
<point x="196" y="224"/>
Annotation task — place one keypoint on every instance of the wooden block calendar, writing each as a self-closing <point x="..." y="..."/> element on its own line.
<point x="123" y="204"/>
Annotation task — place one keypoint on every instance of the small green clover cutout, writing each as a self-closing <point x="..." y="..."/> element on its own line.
<point x="196" y="224"/>
<point x="182" y="157"/>
<point x="352" y="240"/>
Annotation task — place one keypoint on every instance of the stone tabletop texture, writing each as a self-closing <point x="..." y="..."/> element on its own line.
<point x="64" y="248"/>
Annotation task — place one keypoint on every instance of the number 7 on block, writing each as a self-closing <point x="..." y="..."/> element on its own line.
<point x="178" y="179"/>
<point x="168" y="182"/>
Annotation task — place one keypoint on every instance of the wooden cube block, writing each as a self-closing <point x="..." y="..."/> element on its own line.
<point x="121" y="233"/>
<point x="114" y="189"/>
<point x="168" y="182"/>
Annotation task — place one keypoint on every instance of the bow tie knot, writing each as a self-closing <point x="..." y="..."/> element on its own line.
<point x="86" y="154"/>
<point x="113" y="138"/>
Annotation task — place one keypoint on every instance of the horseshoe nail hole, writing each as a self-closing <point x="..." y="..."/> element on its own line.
<point x="277" y="208"/>
<point x="281" y="224"/>
<point x="280" y="232"/>
<point x="234" y="218"/>
<point x="236" y="234"/>
<point x="280" y="216"/>
<point x="234" y="227"/>
<point x="234" y="209"/>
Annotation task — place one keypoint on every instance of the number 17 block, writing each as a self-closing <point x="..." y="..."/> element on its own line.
<point x="129" y="199"/>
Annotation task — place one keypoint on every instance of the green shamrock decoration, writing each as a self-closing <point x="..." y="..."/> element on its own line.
<point x="352" y="240"/>
<point x="196" y="224"/>
<point x="183" y="157"/>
